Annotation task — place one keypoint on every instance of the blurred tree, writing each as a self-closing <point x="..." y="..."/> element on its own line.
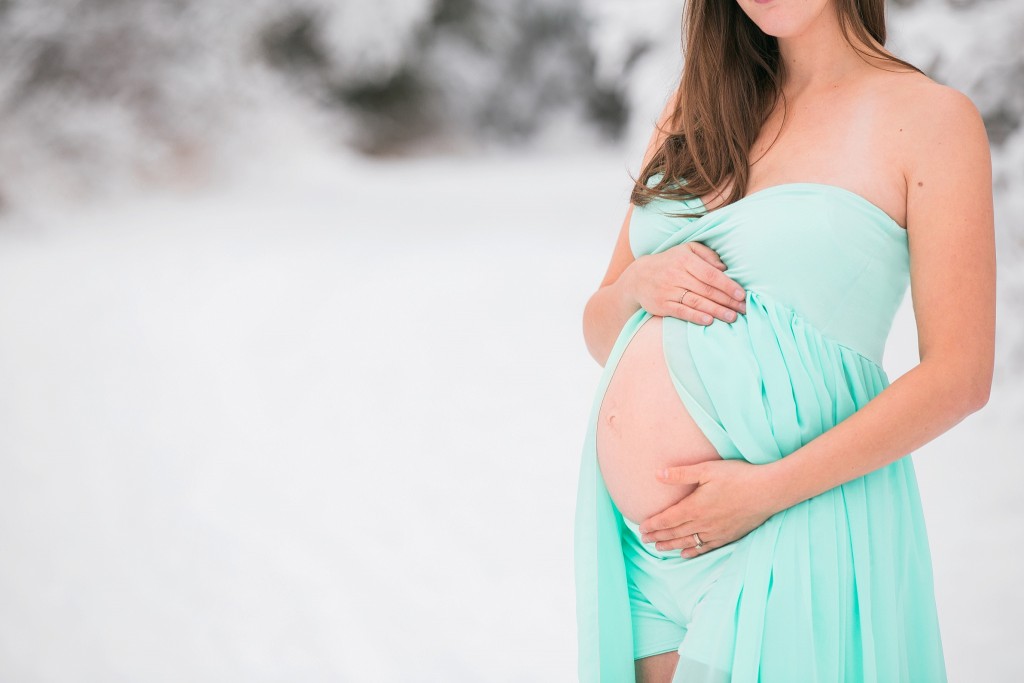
<point x="102" y="92"/>
<point x="470" y="69"/>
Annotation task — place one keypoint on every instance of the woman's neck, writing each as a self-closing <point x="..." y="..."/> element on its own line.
<point x="819" y="58"/>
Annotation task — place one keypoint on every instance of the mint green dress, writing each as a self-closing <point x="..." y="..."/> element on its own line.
<point x="838" y="587"/>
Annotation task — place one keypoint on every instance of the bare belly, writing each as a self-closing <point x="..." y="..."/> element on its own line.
<point x="643" y="425"/>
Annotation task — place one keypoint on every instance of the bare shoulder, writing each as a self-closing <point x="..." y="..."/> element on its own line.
<point x="937" y="138"/>
<point x="931" y="124"/>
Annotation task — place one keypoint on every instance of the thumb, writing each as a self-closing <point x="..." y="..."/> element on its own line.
<point x="681" y="474"/>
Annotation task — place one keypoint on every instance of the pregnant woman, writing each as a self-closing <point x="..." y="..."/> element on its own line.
<point x="747" y="508"/>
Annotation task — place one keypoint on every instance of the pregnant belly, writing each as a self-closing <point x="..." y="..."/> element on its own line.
<point x="643" y="426"/>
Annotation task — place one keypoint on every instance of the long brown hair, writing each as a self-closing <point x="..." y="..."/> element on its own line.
<point x="732" y="78"/>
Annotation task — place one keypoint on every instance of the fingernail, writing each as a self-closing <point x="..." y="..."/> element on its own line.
<point x="705" y="318"/>
<point x="738" y="294"/>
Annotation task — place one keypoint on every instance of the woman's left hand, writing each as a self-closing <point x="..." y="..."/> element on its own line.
<point x="732" y="499"/>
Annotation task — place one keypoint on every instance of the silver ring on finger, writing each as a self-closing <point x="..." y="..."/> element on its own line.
<point x="685" y="290"/>
<point x="700" y="543"/>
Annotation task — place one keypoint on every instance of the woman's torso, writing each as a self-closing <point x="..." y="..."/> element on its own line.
<point x="824" y="239"/>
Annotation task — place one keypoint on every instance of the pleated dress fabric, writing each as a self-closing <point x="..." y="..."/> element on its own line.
<point x="838" y="587"/>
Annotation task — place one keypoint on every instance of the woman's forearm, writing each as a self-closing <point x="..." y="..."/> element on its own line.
<point x="919" y="406"/>
<point x="606" y="312"/>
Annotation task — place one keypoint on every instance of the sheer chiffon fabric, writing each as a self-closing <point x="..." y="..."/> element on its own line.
<point x="836" y="588"/>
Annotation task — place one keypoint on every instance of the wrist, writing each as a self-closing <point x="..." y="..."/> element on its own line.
<point x="626" y="284"/>
<point x="776" y="483"/>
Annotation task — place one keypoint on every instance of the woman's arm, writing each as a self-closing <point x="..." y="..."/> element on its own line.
<point x="612" y="304"/>
<point x="952" y="270"/>
<point x="624" y="289"/>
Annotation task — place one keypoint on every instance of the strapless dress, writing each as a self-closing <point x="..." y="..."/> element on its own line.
<point x="838" y="587"/>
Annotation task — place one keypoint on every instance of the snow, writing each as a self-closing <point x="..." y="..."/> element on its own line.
<point x="282" y="413"/>
<point x="318" y="421"/>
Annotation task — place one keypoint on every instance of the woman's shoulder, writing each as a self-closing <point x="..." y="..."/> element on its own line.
<point x="913" y="95"/>
<point x="935" y="137"/>
<point x="921" y="94"/>
<point x="919" y="113"/>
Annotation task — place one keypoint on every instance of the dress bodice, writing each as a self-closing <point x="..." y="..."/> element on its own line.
<point x="833" y="257"/>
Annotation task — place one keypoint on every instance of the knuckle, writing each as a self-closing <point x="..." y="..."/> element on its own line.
<point x="694" y="315"/>
<point x="725" y="283"/>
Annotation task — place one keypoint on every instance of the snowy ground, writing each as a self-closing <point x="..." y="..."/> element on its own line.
<point x="323" y="423"/>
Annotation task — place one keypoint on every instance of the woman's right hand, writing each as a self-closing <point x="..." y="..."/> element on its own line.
<point x="692" y="272"/>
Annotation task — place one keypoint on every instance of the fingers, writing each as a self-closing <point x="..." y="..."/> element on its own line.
<point x="700" y="309"/>
<point x="680" y="538"/>
<point x="714" y="284"/>
<point x="658" y="530"/>
<point x="708" y="545"/>
<point x="706" y="253"/>
<point x="684" y="312"/>
<point x="699" y="289"/>
<point x="688" y="545"/>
